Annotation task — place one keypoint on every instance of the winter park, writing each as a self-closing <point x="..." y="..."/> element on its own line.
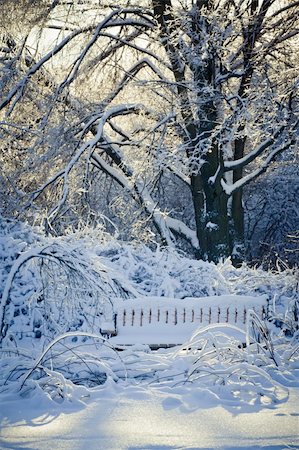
<point x="149" y="224"/>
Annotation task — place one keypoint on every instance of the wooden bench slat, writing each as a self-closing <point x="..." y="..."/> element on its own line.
<point x="161" y="315"/>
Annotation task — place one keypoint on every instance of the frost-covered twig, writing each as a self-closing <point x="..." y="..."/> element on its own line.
<point x="38" y="361"/>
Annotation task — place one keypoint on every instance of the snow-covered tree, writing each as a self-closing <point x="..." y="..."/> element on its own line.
<point x="169" y="97"/>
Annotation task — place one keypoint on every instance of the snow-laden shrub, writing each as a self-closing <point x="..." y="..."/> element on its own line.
<point x="52" y="285"/>
<point x="55" y="293"/>
<point x="16" y="239"/>
<point x="282" y="283"/>
<point x="281" y="287"/>
<point x="255" y="375"/>
<point x="213" y="365"/>
<point x="164" y="273"/>
<point x="287" y="318"/>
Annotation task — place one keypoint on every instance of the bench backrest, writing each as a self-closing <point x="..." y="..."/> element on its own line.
<point x="160" y="312"/>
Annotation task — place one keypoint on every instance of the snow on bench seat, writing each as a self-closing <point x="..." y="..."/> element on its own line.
<point x="163" y="322"/>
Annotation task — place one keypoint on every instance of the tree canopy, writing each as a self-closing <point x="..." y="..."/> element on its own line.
<point x="154" y="116"/>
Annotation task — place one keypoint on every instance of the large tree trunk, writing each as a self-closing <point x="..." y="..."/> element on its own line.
<point x="237" y="209"/>
<point x="211" y="214"/>
<point x="220" y="232"/>
<point x="209" y="199"/>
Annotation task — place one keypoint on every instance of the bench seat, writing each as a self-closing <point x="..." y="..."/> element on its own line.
<point x="165" y="322"/>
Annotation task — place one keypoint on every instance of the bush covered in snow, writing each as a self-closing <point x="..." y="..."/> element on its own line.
<point x="51" y="285"/>
<point x="56" y="292"/>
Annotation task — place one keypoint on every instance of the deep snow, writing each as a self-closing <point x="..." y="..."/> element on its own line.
<point x="134" y="418"/>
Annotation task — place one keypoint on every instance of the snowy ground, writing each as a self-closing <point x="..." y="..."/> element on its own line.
<point x="138" y="418"/>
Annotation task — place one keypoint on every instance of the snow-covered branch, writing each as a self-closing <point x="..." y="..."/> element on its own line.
<point x="106" y="23"/>
<point x="242" y="162"/>
<point x="130" y="75"/>
<point x="285" y="8"/>
<point x="164" y="223"/>
<point x="230" y="189"/>
<point x="22" y="83"/>
<point x="127" y="41"/>
<point x="114" y="173"/>
<point x="124" y="176"/>
<point x="88" y="146"/>
<point x="73" y="73"/>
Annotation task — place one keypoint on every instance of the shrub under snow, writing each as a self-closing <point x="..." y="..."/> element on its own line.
<point x="56" y="293"/>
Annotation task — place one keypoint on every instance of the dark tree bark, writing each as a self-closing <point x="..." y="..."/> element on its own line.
<point x="209" y="199"/>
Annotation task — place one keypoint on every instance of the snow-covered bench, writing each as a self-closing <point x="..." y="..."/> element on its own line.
<point x="165" y="322"/>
